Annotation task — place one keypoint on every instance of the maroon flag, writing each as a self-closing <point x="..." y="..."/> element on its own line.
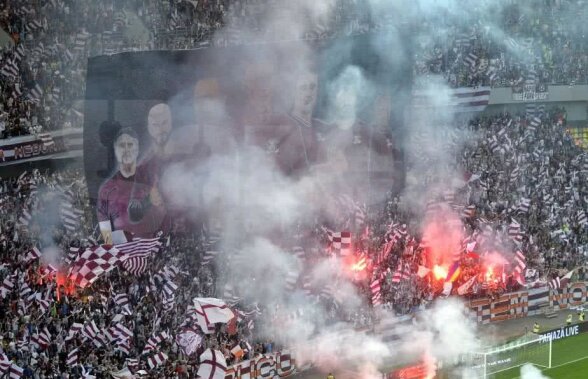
<point x="94" y="262"/>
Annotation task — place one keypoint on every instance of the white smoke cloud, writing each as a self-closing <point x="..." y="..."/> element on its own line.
<point x="259" y="207"/>
<point x="528" y="371"/>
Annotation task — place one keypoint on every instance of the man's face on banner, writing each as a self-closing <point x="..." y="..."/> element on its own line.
<point x="159" y="124"/>
<point x="126" y="149"/>
<point x="306" y="94"/>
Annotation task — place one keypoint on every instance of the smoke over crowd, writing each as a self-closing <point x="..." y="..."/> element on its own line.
<point x="259" y="206"/>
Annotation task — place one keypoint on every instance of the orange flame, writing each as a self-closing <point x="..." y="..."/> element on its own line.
<point x="440" y="272"/>
<point x="359" y="265"/>
<point x="489" y="273"/>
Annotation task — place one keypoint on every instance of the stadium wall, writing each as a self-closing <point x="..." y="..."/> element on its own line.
<point x="527" y="303"/>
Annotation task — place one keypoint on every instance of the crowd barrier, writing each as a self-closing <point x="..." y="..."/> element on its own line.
<point x="528" y="303"/>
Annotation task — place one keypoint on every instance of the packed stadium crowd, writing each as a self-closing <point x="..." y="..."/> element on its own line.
<point x="523" y="195"/>
<point x="44" y="59"/>
<point x="522" y="192"/>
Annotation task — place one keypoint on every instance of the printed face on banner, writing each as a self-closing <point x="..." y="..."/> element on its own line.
<point x="126" y="150"/>
<point x="159" y="124"/>
<point x="196" y="111"/>
<point x="306" y="94"/>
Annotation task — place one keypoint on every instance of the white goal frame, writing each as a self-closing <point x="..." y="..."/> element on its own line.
<point x="505" y="348"/>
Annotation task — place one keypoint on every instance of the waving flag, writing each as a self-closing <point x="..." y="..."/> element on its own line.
<point x="73" y="330"/>
<point x="72" y="358"/>
<point x="340" y="242"/>
<point x="188" y="340"/>
<point x="93" y="263"/>
<point x="154" y="341"/>
<point x="7" y="287"/>
<point x="212" y="365"/>
<point x="156" y="360"/>
<point x="16" y="372"/>
<point x="375" y="288"/>
<point x="208" y="311"/>
<point x="33" y="254"/>
<point x="562" y="282"/>
<point x="470" y="99"/>
<point x="464" y="288"/>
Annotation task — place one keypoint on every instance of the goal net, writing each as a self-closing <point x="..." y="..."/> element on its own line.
<point x="532" y="349"/>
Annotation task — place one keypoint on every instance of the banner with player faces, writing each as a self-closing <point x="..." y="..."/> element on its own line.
<point x="146" y="111"/>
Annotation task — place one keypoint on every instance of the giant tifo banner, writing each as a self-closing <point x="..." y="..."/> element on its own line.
<point x="281" y="364"/>
<point x="148" y="111"/>
<point x="528" y="303"/>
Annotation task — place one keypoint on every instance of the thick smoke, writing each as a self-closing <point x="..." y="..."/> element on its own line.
<point x="258" y="206"/>
<point x="528" y="371"/>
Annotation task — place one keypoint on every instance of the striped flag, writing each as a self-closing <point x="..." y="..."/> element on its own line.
<point x="521" y="262"/>
<point x="169" y="288"/>
<point x="139" y="247"/>
<point x="154" y="341"/>
<point x="25" y="218"/>
<point x="474" y="99"/>
<point x="72" y="358"/>
<point x="122" y="331"/>
<point x="80" y="42"/>
<point x="156" y="360"/>
<point x="402" y="273"/>
<point x="122" y="300"/>
<point x="32" y="255"/>
<point x="72" y="254"/>
<point x="376" y="292"/>
<point x="7" y="287"/>
<point x="132" y="363"/>
<point x="73" y="330"/>
<point x="535" y="122"/>
<point x="43" y="338"/>
<point x="90" y="330"/>
<point x="19" y="52"/>
<point x="514" y="231"/>
<point x="524" y="205"/>
<point x="208" y="257"/>
<point x="36" y="93"/>
<point x="562" y="282"/>
<point x="5" y="363"/>
<point x="16" y="372"/>
<point x="469" y="211"/>
<point x="581" y="217"/>
<point x="471" y="61"/>
<point x="43" y="305"/>
<point x="25" y="291"/>
<point x="135" y="265"/>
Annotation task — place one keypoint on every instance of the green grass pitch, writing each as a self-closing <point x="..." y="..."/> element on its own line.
<point x="569" y="360"/>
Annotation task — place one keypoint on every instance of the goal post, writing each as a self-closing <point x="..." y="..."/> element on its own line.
<point x="533" y="349"/>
